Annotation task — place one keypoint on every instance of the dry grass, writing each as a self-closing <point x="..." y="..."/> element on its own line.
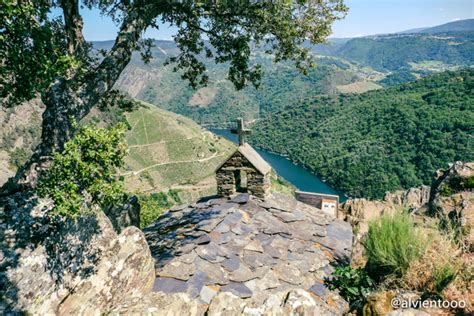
<point x="443" y="270"/>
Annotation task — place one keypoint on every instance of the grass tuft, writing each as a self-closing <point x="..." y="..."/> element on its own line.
<point x="392" y="243"/>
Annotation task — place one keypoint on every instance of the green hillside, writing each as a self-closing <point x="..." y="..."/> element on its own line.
<point x="167" y="150"/>
<point x="220" y="102"/>
<point x="381" y="140"/>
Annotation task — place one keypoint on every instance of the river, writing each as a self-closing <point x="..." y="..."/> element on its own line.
<point x="296" y="175"/>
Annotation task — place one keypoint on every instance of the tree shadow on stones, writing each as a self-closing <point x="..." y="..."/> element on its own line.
<point x="26" y="227"/>
<point x="178" y="232"/>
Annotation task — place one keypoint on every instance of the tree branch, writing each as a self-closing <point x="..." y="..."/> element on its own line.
<point x="73" y="24"/>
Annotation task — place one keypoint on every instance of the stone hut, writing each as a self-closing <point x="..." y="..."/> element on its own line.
<point x="244" y="171"/>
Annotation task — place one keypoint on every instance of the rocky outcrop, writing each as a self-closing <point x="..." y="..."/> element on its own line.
<point x="359" y="212"/>
<point x="412" y="199"/>
<point x="245" y="255"/>
<point x="67" y="267"/>
<point x="290" y="302"/>
<point x="452" y="196"/>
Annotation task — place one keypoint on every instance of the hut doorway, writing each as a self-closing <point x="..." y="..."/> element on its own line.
<point x="240" y="181"/>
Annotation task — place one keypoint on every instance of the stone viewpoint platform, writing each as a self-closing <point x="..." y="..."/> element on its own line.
<point x="251" y="251"/>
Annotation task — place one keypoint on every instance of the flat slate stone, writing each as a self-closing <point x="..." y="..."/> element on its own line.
<point x="208" y="225"/>
<point x="177" y="270"/>
<point x="272" y="252"/>
<point x="187" y="258"/>
<point x="231" y="264"/>
<point x="211" y="252"/>
<point x="340" y="230"/>
<point x="196" y="283"/>
<point x="168" y="285"/>
<point x="254" y="245"/>
<point x="217" y="201"/>
<point x="241" y="198"/>
<point x="233" y="218"/>
<point x="238" y="289"/>
<point x="242" y="274"/>
<point x="187" y="247"/>
<point x="268" y="281"/>
<point x="207" y="293"/>
<point x="203" y="239"/>
<point x="288" y="273"/>
<point x="281" y="202"/>
<point x="222" y="228"/>
<point x="288" y="217"/>
<point x="214" y="271"/>
<point x="320" y="290"/>
<point x="224" y="238"/>
<point x="257" y="259"/>
<point x="225" y="206"/>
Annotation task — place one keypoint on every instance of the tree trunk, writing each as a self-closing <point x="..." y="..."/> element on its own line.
<point x="71" y="99"/>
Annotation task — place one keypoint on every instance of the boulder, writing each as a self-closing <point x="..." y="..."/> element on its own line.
<point x="81" y="266"/>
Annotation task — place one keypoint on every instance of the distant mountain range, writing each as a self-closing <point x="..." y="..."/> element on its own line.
<point x="455" y="26"/>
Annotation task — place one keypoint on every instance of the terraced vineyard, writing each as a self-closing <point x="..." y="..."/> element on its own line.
<point x="170" y="151"/>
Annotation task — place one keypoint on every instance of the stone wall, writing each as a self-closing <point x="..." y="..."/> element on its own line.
<point x="258" y="184"/>
<point x="225" y="182"/>
<point x="227" y="177"/>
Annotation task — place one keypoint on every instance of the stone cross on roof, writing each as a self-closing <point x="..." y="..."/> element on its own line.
<point x="240" y="131"/>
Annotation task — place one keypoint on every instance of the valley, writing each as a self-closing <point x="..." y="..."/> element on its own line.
<point x="252" y="165"/>
<point x="331" y="140"/>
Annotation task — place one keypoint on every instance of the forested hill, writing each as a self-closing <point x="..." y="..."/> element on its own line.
<point x="381" y="140"/>
<point x="410" y="51"/>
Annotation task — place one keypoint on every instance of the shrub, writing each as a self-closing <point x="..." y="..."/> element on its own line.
<point x="151" y="207"/>
<point x="392" y="243"/>
<point x="84" y="171"/>
<point x="353" y="284"/>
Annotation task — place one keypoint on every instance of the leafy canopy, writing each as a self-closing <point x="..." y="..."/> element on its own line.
<point x="83" y="173"/>
<point x="36" y="48"/>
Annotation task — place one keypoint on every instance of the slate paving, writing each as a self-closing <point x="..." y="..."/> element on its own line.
<point x="246" y="246"/>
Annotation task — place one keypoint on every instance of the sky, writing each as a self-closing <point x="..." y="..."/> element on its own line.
<point x="365" y="17"/>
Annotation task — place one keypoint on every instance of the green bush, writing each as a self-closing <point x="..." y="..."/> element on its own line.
<point x="151" y="207"/>
<point x="353" y="284"/>
<point x="391" y="243"/>
<point x="85" y="171"/>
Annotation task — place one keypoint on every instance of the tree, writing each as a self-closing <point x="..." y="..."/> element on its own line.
<point x="49" y="56"/>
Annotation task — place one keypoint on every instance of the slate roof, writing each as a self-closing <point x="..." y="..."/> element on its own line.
<point x="253" y="157"/>
<point x="246" y="246"/>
